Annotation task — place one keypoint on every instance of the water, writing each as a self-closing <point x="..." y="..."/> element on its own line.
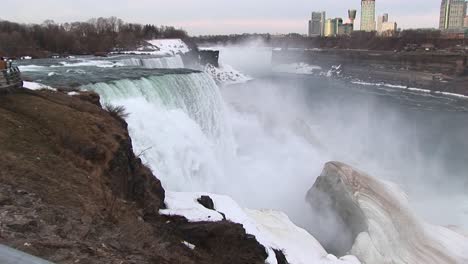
<point x="265" y="142"/>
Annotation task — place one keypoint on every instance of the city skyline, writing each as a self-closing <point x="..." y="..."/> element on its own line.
<point x="219" y="17"/>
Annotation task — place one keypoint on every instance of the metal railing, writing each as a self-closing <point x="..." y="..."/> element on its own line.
<point x="12" y="256"/>
<point x="10" y="78"/>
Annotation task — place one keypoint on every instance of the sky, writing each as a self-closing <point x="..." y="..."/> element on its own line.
<point x="203" y="17"/>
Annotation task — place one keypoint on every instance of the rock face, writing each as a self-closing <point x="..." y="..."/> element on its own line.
<point x="72" y="191"/>
<point x="384" y="228"/>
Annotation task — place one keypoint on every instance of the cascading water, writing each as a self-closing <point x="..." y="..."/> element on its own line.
<point x="178" y="126"/>
<point x="183" y="130"/>
<point x="174" y="62"/>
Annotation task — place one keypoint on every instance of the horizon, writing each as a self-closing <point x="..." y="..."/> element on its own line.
<point x="209" y="17"/>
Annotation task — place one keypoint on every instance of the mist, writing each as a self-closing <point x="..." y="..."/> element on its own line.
<point x="265" y="142"/>
<point x="286" y="127"/>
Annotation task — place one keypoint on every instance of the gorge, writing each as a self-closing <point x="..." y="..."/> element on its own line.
<point x="261" y="143"/>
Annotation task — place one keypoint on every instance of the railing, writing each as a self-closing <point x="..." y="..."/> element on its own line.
<point x="10" y="78"/>
<point x="13" y="256"/>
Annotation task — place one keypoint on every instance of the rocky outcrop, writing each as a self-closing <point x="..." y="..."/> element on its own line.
<point x="72" y="190"/>
<point x="384" y="228"/>
<point x="196" y="58"/>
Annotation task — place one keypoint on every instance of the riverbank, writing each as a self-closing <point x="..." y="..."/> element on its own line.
<point x="434" y="71"/>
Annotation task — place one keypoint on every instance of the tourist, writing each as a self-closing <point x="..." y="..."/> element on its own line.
<point x="3" y="64"/>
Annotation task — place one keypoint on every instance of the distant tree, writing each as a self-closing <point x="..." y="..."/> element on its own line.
<point x="95" y="35"/>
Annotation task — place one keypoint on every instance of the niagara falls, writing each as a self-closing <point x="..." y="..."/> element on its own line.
<point x="321" y="141"/>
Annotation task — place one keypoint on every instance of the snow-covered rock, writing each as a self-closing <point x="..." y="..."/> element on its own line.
<point x="225" y="74"/>
<point x="272" y="229"/>
<point x="37" y="86"/>
<point x="161" y="47"/>
<point x="378" y="213"/>
<point x="174" y="46"/>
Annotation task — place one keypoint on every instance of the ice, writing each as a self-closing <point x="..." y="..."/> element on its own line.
<point x="187" y="244"/>
<point x="173" y="46"/>
<point x="37" y="86"/>
<point x="274" y="230"/>
<point x="393" y="233"/>
<point x="186" y="205"/>
<point x="226" y="74"/>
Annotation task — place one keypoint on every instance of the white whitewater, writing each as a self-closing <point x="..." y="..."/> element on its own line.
<point x="173" y="62"/>
<point x="178" y="126"/>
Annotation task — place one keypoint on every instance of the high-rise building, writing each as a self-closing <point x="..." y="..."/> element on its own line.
<point x="385" y="27"/>
<point x="465" y="24"/>
<point x="368" y="15"/>
<point x="329" y="28"/>
<point x="380" y="20"/>
<point x="388" y="29"/>
<point x="452" y="14"/>
<point x="352" y="15"/>
<point x="317" y="24"/>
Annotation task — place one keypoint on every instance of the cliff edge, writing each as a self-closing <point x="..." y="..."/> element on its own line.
<point x="72" y="190"/>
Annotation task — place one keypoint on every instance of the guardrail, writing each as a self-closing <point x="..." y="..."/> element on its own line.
<point x="12" y="256"/>
<point x="10" y="78"/>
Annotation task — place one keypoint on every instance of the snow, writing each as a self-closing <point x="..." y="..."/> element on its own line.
<point x="95" y="63"/>
<point x="409" y="89"/>
<point x="272" y="229"/>
<point x="296" y="243"/>
<point x="37" y="86"/>
<point x="73" y="93"/>
<point x="452" y="94"/>
<point x="186" y="205"/>
<point x="226" y="74"/>
<point x="297" y="68"/>
<point x="174" y="46"/>
<point x="30" y="68"/>
<point x="161" y="47"/>
<point x="187" y="244"/>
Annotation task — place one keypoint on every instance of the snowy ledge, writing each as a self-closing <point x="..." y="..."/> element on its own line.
<point x="274" y="230"/>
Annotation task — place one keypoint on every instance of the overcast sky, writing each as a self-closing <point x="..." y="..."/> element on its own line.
<point x="217" y="16"/>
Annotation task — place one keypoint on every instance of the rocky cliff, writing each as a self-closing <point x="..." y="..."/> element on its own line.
<point x="73" y="191"/>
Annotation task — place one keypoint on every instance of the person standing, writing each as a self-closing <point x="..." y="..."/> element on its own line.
<point x="3" y="64"/>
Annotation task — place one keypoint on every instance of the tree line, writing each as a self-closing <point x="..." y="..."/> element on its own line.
<point x="79" y="38"/>
<point x="357" y="40"/>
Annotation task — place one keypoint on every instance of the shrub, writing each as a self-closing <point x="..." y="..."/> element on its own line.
<point x="118" y="112"/>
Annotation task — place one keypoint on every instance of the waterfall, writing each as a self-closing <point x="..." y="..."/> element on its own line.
<point x="177" y="124"/>
<point x="174" y="62"/>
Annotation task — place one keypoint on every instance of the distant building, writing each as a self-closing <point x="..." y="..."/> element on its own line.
<point x="335" y="27"/>
<point x="317" y="24"/>
<point x="385" y="27"/>
<point x="389" y="29"/>
<point x="452" y="14"/>
<point x="465" y="24"/>
<point x="352" y="15"/>
<point x="331" y="27"/>
<point x="380" y="20"/>
<point x="346" y="29"/>
<point x="368" y="15"/>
